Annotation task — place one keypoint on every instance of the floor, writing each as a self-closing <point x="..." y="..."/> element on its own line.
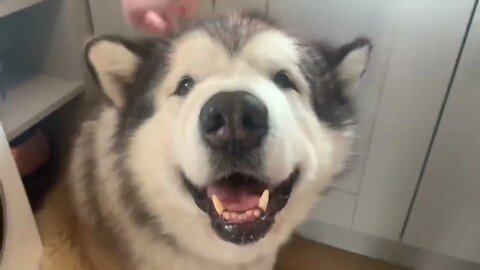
<point x="307" y="255"/>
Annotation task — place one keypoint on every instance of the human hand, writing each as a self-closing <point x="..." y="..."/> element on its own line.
<point x="158" y="16"/>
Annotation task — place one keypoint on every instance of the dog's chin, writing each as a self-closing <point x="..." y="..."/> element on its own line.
<point x="241" y="206"/>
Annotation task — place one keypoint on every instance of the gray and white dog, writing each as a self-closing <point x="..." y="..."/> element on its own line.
<point x="214" y="144"/>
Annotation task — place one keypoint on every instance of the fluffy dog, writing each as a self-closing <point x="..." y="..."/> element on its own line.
<point x="214" y="144"/>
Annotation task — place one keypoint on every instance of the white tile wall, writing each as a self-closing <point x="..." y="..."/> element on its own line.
<point x="235" y="5"/>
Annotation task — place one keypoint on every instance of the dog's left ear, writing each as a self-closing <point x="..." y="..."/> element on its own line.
<point x="114" y="61"/>
<point x="349" y="62"/>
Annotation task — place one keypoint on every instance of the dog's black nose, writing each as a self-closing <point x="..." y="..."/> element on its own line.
<point x="234" y="121"/>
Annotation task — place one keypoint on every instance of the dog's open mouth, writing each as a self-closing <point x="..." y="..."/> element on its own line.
<point x="241" y="207"/>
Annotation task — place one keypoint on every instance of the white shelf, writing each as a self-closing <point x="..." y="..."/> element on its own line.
<point x="33" y="100"/>
<point x="11" y="6"/>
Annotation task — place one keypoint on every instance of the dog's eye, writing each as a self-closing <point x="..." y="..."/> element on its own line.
<point x="282" y="80"/>
<point x="184" y="86"/>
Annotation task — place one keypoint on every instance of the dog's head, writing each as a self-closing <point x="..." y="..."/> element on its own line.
<point x="231" y="128"/>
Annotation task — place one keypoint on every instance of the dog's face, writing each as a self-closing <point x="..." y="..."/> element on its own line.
<point x="231" y="128"/>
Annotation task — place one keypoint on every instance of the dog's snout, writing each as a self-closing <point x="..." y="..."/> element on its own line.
<point x="234" y="121"/>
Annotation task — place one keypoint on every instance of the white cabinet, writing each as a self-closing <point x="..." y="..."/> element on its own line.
<point x="446" y="212"/>
<point x="420" y="66"/>
<point x="22" y="242"/>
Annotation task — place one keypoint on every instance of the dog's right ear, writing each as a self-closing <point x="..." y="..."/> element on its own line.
<point x="348" y="61"/>
<point x="114" y="61"/>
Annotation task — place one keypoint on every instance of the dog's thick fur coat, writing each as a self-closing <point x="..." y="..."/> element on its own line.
<point x="130" y="164"/>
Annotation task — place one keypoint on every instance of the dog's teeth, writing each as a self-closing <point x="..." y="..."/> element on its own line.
<point x="263" y="202"/>
<point x="218" y="205"/>
<point x="234" y="216"/>
<point x="249" y="213"/>
<point x="256" y="213"/>
<point x="226" y="215"/>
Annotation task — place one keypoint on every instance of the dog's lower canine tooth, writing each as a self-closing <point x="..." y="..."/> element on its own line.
<point x="226" y="215"/>
<point x="263" y="202"/>
<point x="218" y="205"/>
<point x="256" y="213"/>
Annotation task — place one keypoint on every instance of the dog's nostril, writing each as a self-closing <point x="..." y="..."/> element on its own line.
<point x="249" y="121"/>
<point x="254" y="114"/>
<point x="254" y="120"/>
<point x="213" y="122"/>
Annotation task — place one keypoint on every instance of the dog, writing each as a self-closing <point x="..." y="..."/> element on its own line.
<point x="214" y="144"/>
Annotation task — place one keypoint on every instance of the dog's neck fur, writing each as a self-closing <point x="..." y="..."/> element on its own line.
<point x="71" y="244"/>
<point x="68" y="244"/>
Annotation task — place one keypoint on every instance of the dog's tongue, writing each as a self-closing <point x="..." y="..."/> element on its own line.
<point x="236" y="198"/>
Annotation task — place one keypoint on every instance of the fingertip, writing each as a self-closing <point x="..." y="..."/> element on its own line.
<point x="155" y="23"/>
